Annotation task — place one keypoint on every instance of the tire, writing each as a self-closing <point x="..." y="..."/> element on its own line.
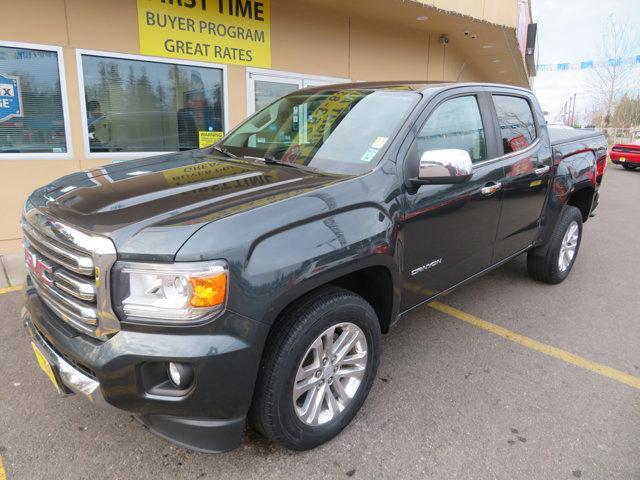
<point x="544" y="263"/>
<point x="274" y="412"/>
<point x="628" y="167"/>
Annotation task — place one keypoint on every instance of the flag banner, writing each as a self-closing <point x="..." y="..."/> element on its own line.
<point x="587" y="64"/>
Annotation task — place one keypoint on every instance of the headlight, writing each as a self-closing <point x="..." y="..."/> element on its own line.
<point x="175" y="293"/>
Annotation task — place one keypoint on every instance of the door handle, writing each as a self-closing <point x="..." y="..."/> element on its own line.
<point x="490" y="188"/>
<point x="542" y="170"/>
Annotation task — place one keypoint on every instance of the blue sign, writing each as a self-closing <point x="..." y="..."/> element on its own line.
<point x="10" y="101"/>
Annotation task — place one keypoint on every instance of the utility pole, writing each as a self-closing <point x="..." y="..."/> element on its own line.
<point x="573" y="110"/>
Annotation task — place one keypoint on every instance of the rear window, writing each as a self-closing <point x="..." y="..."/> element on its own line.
<point x="517" y="126"/>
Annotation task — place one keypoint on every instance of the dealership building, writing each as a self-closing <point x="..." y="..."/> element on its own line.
<point x="84" y="83"/>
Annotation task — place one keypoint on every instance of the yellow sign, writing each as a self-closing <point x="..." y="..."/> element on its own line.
<point x="206" y="138"/>
<point x="225" y="31"/>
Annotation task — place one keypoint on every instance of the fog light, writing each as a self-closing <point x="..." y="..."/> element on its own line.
<point x="180" y="374"/>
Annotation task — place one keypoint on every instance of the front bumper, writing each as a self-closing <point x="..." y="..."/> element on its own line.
<point x="71" y="378"/>
<point x="123" y="372"/>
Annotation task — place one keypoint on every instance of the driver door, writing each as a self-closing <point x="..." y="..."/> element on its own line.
<point x="449" y="230"/>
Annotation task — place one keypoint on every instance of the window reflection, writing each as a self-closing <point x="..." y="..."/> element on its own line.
<point x="516" y="122"/>
<point x="141" y="106"/>
<point x="457" y="124"/>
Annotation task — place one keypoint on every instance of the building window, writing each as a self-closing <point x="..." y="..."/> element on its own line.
<point x="266" y="86"/>
<point x="136" y="105"/>
<point x="32" y="113"/>
<point x="516" y="122"/>
<point x="267" y="92"/>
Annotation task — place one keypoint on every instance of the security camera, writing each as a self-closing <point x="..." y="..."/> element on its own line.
<point x="466" y="33"/>
<point x="444" y="40"/>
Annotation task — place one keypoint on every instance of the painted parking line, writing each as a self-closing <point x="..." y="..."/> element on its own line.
<point x="3" y="472"/>
<point x="15" y="288"/>
<point x="532" y="344"/>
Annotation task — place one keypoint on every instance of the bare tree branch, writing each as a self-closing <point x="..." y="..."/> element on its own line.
<point x="611" y="77"/>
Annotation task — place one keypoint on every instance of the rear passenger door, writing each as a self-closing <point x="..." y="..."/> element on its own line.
<point x="527" y="161"/>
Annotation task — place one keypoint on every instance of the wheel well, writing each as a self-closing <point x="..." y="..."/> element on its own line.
<point x="582" y="199"/>
<point x="375" y="285"/>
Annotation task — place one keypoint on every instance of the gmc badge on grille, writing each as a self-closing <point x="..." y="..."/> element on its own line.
<point x="38" y="267"/>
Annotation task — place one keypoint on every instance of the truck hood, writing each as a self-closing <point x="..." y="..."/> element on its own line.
<point x="150" y="207"/>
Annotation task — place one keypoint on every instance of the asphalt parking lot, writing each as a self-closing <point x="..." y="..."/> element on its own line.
<point x="452" y="400"/>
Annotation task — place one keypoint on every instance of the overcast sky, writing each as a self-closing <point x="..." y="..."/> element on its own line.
<point x="571" y="31"/>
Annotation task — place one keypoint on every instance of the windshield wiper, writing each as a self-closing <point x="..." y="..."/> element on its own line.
<point x="272" y="160"/>
<point x="224" y="151"/>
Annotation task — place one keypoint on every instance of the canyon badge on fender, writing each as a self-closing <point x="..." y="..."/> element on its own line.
<point x="427" y="266"/>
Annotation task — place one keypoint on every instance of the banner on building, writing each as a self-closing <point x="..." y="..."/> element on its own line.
<point x="223" y="31"/>
<point x="585" y="65"/>
<point x="10" y="100"/>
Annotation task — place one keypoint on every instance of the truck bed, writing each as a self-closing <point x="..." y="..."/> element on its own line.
<point x="558" y="136"/>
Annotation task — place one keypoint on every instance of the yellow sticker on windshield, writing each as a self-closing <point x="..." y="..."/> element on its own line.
<point x="379" y="142"/>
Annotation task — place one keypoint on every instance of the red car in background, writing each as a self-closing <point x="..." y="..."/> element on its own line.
<point x="626" y="154"/>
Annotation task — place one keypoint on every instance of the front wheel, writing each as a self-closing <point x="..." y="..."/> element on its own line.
<point x="552" y="263"/>
<point x="626" y="166"/>
<point x="317" y="369"/>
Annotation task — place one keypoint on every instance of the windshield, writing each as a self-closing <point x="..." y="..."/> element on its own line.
<point x="334" y="131"/>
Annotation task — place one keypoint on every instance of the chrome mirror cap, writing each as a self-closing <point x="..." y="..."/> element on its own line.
<point x="445" y="166"/>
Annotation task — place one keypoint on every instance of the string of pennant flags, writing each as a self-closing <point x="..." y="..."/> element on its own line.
<point x="552" y="67"/>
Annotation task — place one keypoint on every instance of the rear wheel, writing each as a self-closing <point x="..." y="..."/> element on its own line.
<point x="628" y="167"/>
<point x="317" y="369"/>
<point x="552" y="263"/>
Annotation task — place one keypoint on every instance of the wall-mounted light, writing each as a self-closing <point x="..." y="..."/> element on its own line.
<point x="422" y="18"/>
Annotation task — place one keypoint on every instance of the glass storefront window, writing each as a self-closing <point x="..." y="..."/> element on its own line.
<point x="31" y="110"/>
<point x="144" y="106"/>
<point x="268" y="92"/>
<point x="266" y="86"/>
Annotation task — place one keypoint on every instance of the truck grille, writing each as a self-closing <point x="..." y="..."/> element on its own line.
<point x="69" y="270"/>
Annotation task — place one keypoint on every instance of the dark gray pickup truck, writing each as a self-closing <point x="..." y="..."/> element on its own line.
<point x="253" y="279"/>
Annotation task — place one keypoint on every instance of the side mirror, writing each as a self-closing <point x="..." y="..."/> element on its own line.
<point x="444" y="167"/>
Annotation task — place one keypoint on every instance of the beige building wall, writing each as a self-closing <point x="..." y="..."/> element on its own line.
<point x="304" y="39"/>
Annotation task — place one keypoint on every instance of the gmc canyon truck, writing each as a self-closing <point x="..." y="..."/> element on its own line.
<point x="251" y="280"/>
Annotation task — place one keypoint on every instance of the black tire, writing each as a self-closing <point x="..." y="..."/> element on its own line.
<point x="272" y="412"/>
<point x="628" y="167"/>
<point x="543" y="262"/>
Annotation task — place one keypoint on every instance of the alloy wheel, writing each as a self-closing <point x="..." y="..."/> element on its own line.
<point x="568" y="246"/>
<point x="330" y="374"/>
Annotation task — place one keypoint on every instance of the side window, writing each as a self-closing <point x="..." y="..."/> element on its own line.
<point x="456" y="123"/>
<point x="517" y="127"/>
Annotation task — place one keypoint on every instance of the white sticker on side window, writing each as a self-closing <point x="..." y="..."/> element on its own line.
<point x="368" y="155"/>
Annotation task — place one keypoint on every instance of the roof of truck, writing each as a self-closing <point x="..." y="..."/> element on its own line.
<point x="412" y="85"/>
